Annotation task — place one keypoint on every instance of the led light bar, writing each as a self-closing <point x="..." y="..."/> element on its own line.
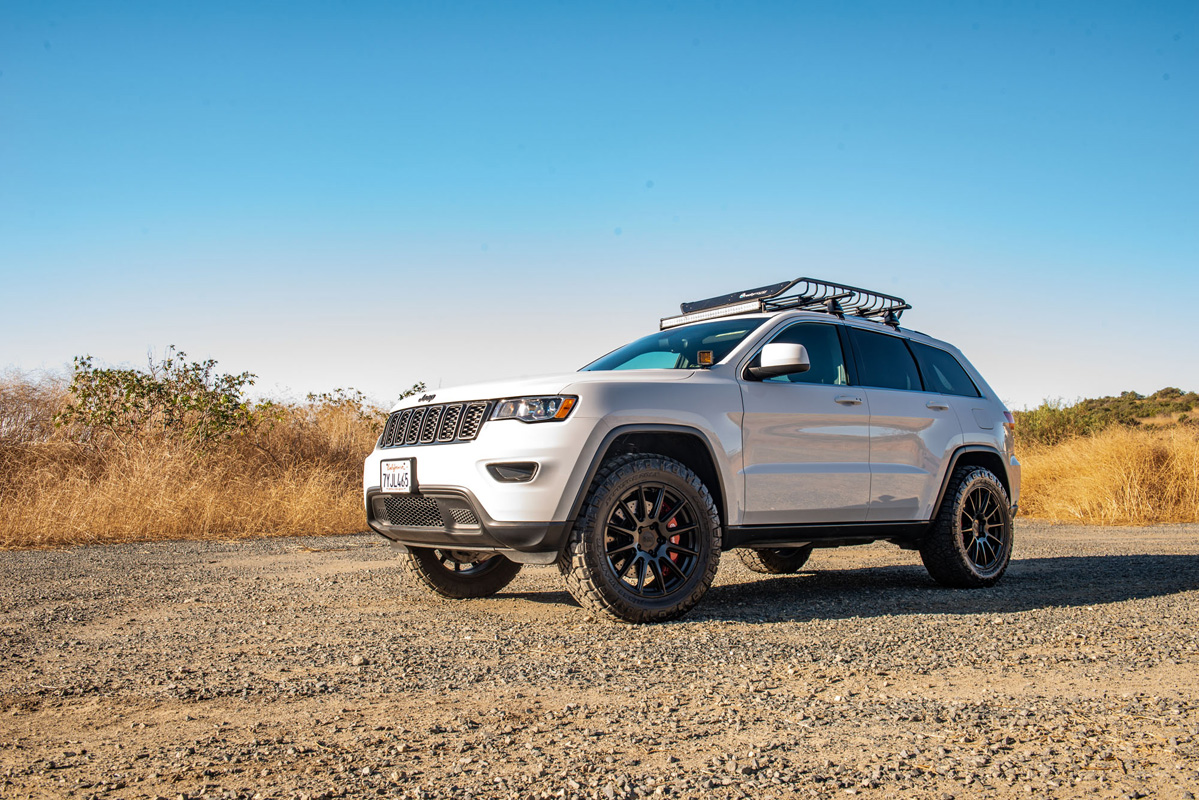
<point x="714" y="313"/>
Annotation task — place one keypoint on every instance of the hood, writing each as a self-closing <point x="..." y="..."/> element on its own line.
<point x="542" y="385"/>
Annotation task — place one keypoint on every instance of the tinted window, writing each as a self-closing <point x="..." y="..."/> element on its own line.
<point x="942" y="372"/>
<point x="679" y="348"/>
<point x="824" y="351"/>
<point x="884" y="361"/>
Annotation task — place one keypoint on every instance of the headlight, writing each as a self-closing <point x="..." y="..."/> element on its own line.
<point x="534" y="409"/>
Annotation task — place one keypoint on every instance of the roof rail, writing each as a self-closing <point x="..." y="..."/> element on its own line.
<point x="810" y="294"/>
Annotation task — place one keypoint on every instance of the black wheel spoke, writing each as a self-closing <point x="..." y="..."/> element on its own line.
<point x="621" y="549"/>
<point x="675" y="509"/>
<point x="678" y="548"/>
<point x="656" y="508"/>
<point x="641" y="570"/>
<point x="624" y="569"/>
<point x="625" y="525"/>
<point x="659" y="580"/>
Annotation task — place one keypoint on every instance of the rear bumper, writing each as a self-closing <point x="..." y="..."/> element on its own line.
<point x="453" y="517"/>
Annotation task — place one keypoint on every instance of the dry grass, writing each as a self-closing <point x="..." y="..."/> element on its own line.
<point x="300" y="474"/>
<point x="1119" y="476"/>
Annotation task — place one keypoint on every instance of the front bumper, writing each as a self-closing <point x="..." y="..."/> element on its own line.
<point x="451" y="517"/>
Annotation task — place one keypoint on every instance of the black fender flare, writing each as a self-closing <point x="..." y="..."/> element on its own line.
<point x="605" y="445"/>
<point x="953" y="465"/>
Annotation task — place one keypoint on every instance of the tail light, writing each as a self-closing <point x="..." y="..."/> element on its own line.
<point x="1009" y="422"/>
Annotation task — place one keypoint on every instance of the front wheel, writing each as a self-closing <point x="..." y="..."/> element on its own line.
<point x="970" y="543"/>
<point x="458" y="573"/>
<point x="646" y="544"/>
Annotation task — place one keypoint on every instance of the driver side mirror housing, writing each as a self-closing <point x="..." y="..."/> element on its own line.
<point x="780" y="358"/>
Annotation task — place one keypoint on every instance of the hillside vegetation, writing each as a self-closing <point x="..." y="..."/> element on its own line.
<point x="176" y="450"/>
<point x="1126" y="460"/>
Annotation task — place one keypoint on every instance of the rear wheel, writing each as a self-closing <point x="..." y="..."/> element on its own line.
<point x="970" y="543"/>
<point x="647" y="542"/>
<point x="775" y="560"/>
<point x="459" y="573"/>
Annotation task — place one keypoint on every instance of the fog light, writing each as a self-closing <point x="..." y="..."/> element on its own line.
<point x="514" y="472"/>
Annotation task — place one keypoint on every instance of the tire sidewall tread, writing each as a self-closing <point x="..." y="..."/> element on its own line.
<point x="584" y="562"/>
<point x="943" y="551"/>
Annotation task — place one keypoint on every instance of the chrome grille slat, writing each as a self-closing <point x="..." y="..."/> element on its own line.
<point x="447" y="423"/>
<point x="414" y="425"/>
<point x="428" y="431"/>
<point x="472" y="420"/>
<point x="389" y="429"/>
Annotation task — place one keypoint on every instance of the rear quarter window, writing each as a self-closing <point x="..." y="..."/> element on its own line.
<point x="942" y="372"/>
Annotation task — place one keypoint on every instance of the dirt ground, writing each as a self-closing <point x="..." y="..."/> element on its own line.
<point x="308" y="667"/>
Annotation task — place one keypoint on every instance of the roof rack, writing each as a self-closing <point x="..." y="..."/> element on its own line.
<point x="809" y="294"/>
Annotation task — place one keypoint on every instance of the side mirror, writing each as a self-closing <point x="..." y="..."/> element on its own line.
<point x="778" y="358"/>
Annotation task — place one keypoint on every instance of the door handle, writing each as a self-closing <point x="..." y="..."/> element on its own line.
<point x="847" y="400"/>
<point x="937" y="405"/>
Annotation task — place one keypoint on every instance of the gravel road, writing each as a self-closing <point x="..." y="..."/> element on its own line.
<point x="307" y="667"/>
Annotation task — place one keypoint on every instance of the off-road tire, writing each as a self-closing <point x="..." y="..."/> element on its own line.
<point x="775" y="560"/>
<point x="678" y="563"/>
<point x="970" y="543"/>
<point x="451" y="574"/>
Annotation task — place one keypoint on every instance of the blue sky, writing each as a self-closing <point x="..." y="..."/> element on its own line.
<point x="371" y="194"/>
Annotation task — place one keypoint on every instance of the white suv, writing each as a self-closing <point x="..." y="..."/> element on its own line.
<point x="771" y="421"/>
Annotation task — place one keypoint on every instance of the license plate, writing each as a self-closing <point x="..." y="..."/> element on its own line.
<point x="395" y="477"/>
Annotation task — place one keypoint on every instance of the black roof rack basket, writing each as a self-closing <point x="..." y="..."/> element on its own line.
<point x="806" y="294"/>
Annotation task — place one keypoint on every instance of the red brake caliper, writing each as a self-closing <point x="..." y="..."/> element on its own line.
<point x="674" y="523"/>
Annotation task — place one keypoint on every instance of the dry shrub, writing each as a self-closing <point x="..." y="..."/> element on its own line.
<point x="297" y="471"/>
<point x="1119" y="476"/>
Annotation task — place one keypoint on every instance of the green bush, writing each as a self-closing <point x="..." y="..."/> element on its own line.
<point x="1053" y="421"/>
<point x="171" y="399"/>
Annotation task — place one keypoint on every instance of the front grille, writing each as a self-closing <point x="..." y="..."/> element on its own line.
<point x="444" y="424"/>
<point x="414" y="512"/>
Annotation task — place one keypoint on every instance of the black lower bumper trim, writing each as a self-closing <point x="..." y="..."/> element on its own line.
<point x="483" y="533"/>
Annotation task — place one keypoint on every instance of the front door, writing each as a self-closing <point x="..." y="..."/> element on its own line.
<point x="807" y="438"/>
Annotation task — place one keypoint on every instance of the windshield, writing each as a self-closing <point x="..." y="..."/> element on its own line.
<point x="679" y="348"/>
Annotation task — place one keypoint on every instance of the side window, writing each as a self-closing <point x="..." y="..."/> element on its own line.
<point x="885" y="360"/>
<point x="824" y="351"/>
<point x="942" y="372"/>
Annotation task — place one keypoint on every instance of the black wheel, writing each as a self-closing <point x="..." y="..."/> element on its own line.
<point x="647" y="542"/>
<point x="775" y="560"/>
<point x="970" y="543"/>
<point x="459" y="573"/>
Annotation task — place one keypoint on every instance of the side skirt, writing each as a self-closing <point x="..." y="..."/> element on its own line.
<point x="904" y="534"/>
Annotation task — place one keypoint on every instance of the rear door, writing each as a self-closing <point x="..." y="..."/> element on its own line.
<point x="807" y="438"/>
<point x="912" y="432"/>
<point x="943" y="374"/>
